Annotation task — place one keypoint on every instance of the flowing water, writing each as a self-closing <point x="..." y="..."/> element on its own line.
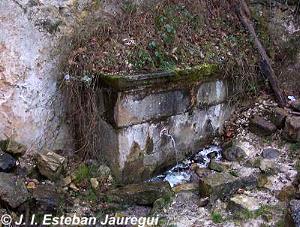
<point x="165" y="132"/>
<point x="182" y="173"/>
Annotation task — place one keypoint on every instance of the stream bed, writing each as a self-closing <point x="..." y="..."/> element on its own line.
<point x="182" y="173"/>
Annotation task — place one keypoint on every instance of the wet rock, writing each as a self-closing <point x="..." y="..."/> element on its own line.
<point x="240" y="203"/>
<point x="201" y="171"/>
<point x="186" y="187"/>
<point x="7" y="162"/>
<point x="140" y="194"/>
<point x="213" y="165"/>
<point x="291" y="130"/>
<point x="212" y="155"/>
<point x="286" y="193"/>
<point x="12" y="190"/>
<point x="12" y="147"/>
<point x="234" y="153"/>
<point x="46" y="198"/>
<point x="261" y="127"/>
<point x="221" y="185"/>
<point x="296" y="105"/>
<point x="278" y="117"/>
<point x="270" y="153"/>
<point x="50" y="164"/>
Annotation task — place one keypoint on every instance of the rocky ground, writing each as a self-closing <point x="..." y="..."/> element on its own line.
<point x="254" y="184"/>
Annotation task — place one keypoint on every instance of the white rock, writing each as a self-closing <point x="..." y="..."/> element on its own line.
<point x="244" y="202"/>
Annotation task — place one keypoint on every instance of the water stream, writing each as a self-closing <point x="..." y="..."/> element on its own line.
<point x="182" y="173"/>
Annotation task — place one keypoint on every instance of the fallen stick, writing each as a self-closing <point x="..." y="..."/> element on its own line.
<point x="243" y="13"/>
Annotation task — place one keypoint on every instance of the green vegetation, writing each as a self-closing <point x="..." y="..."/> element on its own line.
<point x="295" y="147"/>
<point x="265" y="211"/>
<point x="294" y="150"/>
<point x="280" y="223"/>
<point x="216" y="217"/>
<point x="82" y="173"/>
<point x="129" y="7"/>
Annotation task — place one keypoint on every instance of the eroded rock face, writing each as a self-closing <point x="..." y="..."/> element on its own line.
<point x="31" y="46"/>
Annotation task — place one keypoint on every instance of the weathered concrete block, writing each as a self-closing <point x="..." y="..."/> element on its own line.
<point x="145" y="148"/>
<point x="148" y="124"/>
<point x="212" y="93"/>
<point x="132" y="108"/>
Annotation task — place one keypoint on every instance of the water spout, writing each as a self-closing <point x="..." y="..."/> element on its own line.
<point x="165" y="132"/>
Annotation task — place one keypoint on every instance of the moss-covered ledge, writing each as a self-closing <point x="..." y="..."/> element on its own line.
<point x="204" y="72"/>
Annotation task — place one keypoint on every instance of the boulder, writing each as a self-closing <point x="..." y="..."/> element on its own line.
<point x="186" y="187"/>
<point x="7" y="162"/>
<point x="278" y="117"/>
<point x="141" y="194"/>
<point x="270" y="153"/>
<point x="46" y="198"/>
<point x="286" y="193"/>
<point x="296" y="105"/>
<point x="291" y="130"/>
<point x="222" y="185"/>
<point x="213" y="165"/>
<point x="243" y="203"/>
<point x="12" y="147"/>
<point x="267" y="166"/>
<point x="50" y="164"/>
<point x="102" y="172"/>
<point x="234" y="153"/>
<point x="200" y="172"/>
<point x="294" y="210"/>
<point x="261" y="127"/>
<point x="262" y="180"/>
<point x="212" y="155"/>
<point x="12" y="190"/>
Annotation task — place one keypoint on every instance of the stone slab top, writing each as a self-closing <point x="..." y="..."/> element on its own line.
<point x="204" y="72"/>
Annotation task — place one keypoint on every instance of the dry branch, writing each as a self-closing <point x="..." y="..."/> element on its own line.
<point x="243" y="12"/>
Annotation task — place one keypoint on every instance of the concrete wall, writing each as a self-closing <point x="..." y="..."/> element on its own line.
<point x="138" y="138"/>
